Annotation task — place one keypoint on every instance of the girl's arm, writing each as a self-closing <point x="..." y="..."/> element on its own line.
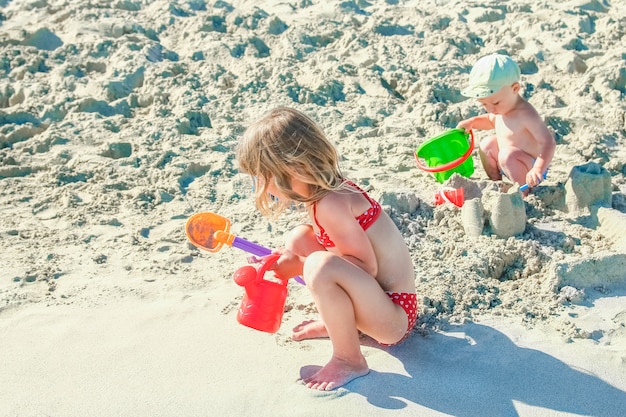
<point x="335" y="215"/>
<point x="289" y="264"/>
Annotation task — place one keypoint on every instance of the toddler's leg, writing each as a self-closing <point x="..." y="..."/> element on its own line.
<point x="488" y="151"/>
<point x="515" y="164"/>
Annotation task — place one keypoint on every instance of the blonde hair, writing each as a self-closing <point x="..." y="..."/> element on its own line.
<point x="283" y="144"/>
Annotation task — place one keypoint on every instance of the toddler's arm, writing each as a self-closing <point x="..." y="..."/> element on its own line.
<point x="481" y="122"/>
<point x="547" y="146"/>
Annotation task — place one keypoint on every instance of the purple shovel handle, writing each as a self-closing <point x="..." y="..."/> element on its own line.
<point x="250" y="247"/>
<point x="257" y="250"/>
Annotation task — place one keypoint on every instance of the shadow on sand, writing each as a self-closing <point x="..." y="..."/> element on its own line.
<point x="481" y="373"/>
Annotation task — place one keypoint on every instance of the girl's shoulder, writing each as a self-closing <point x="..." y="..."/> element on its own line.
<point x="344" y="197"/>
<point x="334" y="198"/>
<point x="341" y="196"/>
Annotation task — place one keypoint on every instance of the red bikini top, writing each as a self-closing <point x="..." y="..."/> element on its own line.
<point x="365" y="219"/>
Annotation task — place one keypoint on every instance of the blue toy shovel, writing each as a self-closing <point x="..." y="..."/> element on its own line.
<point x="525" y="186"/>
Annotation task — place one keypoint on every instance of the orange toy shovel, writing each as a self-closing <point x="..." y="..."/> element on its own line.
<point x="210" y="231"/>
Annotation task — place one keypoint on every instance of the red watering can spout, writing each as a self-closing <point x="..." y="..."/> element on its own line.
<point x="245" y="275"/>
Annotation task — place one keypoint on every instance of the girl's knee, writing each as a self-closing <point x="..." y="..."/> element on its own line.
<point x="300" y="239"/>
<point x="297" y="233"/>
<point x="319" y="264"/>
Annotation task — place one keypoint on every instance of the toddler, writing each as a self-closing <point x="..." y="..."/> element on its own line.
<point x="522" y="147"/>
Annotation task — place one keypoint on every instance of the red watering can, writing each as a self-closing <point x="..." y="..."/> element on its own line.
<point x="263" y="303"/>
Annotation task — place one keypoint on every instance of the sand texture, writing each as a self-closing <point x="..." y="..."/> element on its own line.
<point x="118" y="121"/>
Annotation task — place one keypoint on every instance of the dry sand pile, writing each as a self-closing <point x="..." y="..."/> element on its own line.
<point x="119" y="121"/>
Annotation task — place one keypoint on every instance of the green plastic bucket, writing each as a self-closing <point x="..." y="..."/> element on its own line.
<point x="446" y="154"/>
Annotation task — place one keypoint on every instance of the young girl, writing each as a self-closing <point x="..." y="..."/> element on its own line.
<point x="352" y="256"/>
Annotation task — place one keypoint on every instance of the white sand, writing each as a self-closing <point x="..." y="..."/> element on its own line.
<point x="118" y="121"/>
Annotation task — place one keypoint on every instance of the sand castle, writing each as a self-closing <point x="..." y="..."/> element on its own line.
<point x="588" y="185"/>
<point x="587" y="189"/>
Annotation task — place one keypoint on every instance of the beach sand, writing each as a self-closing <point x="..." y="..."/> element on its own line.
<point x="118" y="121"/>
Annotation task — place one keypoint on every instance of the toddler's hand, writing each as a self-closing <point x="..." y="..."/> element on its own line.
<point x="534" y="177"/>
<point x="464" y="124"/>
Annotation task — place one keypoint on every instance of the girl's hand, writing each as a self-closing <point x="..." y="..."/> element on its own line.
<point x="288" y="265"/>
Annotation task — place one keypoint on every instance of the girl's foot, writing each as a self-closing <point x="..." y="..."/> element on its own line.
<point x="336" y="373"/>
<point x="311" y="329"/>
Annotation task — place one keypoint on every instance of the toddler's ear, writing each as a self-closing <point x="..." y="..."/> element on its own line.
<point x="516" y="87"/>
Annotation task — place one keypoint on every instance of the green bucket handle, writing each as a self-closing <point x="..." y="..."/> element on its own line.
<point x="452" y="164"/>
